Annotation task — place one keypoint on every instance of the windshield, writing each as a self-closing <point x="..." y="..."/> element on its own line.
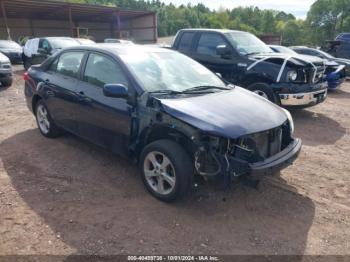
<point x="169" y="71"/>
<point x="60" y="43"/>
<point x="9" y="44"/>
<point x="324" y="54"/>
<point x="246" y="43"/>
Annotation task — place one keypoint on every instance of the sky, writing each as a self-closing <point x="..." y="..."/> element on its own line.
<point x="298" y="8"/>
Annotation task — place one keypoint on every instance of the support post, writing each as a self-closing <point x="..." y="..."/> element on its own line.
<point x="71" y="23"/>
<point x="3" y="10"/>
<point x="118" y="25"/>
<point x="115" y="27"/>
<point x="155" y="32"/>
<point x="31" y="28"/>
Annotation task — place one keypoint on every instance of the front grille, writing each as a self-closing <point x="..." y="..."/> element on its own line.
<point x="259" y="146"/>
<point x="317" y="74"/>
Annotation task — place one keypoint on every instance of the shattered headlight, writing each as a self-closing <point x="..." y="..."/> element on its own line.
<point x="290" y="120"/>
<point x="292" y="75"/>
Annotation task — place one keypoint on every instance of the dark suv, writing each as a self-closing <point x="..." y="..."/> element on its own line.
<point x="243" y="59"/>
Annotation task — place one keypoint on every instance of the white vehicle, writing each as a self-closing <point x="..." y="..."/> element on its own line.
<point x="85" y="41"/>
<point x="5" y="71"/>
<point x="36" y="50"/>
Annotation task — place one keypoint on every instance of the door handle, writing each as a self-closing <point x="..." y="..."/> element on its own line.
<point x="83" y="97"/>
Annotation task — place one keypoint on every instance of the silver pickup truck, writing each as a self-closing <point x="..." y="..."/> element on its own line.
<point x="5" y="71"/>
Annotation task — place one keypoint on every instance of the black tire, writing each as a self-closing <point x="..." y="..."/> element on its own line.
<point x="26" y="63"/>
<point x="266" y="89"/>
<point x="180" y="161"/>
<point x="53" y="131"/>
<point x="7" y="83"/>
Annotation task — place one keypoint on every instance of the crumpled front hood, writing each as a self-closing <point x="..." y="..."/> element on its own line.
<point x="296" y="59"/>
<point x="228" y="114"/>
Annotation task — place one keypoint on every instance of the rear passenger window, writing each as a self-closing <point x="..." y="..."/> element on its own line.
<point x="101" y="70"/>
<point x="69" y="63"/>
<point x="186" y="41"/>
<point x="208" y="42"/>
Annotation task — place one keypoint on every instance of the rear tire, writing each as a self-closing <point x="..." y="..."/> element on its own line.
<point x="265" y="91"/>
<point x="26" y="64"/>
<point x="7" y="83"/>
<point x="44" y="121"/>
<point x="167" y="170"/>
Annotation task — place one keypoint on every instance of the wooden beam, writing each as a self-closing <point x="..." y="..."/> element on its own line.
<point x="155" y="33"/>
<point x="32" y="33"/>
<point x="118" y="25"/>
<point x="5" y="19"/>
<point x="71" y="23"/>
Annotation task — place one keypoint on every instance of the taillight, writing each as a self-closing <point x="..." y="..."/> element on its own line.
<point x="25" y="76"/>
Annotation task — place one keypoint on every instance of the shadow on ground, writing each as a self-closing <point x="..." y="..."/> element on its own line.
<point x="339" y="94"/>
<point x="97" y="204"/>
<point x="317" y="129"/>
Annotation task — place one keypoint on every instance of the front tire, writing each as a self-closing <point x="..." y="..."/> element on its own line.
<point x="167" y="170"/>
<point x="265" y="91"/>
<point x="44" y="121"/>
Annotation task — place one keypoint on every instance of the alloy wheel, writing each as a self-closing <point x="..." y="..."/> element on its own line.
<point x="43" y="120"/>
<point x="159" y="173"/>
<point x="261" y="93"/>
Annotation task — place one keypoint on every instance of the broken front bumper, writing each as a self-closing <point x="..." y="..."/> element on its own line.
<point x="278" y="161"/>
<point x="303" y="99"/>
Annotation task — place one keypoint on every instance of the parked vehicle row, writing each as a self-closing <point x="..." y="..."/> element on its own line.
<point x="180" y="112"/>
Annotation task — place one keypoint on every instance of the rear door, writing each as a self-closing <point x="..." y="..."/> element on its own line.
<point x="59" y="88"/>
<point x="45" y="46"/>
<point x="205" y="53"/>
<point x="103" y="120"/>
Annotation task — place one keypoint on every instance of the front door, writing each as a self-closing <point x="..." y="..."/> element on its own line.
<point x="103" y="120"/>
<point x="205" y="53"/>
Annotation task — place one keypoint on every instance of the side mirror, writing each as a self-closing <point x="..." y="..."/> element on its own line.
<point x="224" y="51"/>
<point x="115" y="90"/>
<point x="218" y="74"/>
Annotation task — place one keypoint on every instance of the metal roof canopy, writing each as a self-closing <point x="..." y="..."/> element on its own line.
<point x="53" y="10"/>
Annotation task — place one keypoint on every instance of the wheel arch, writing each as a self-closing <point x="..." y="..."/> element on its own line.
<point x="159" y="132"/>
<point x="36" y="98"/>
<point x="255" y="78"/>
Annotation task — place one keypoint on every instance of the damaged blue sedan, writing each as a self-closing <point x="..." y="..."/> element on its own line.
<point x="173" y="116"/>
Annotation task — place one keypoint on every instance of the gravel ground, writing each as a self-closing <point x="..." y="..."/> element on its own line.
<point x="66" y="196"/>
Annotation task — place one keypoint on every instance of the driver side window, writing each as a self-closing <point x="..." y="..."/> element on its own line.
<point x="208" y="42"/>
<point x="44" y="44"/>
<point x="101" y="70"/>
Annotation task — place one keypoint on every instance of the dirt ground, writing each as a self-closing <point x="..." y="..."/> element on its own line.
<point x="66" y="196"/>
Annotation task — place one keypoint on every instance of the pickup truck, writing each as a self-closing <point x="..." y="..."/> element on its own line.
<point x="244" y="60"/>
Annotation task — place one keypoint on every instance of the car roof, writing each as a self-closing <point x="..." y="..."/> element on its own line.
<point x="5" y="40"/>
<point x="210" y="30"/>
<point x="300" y="46"/>
<point x="120" y="49"/>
